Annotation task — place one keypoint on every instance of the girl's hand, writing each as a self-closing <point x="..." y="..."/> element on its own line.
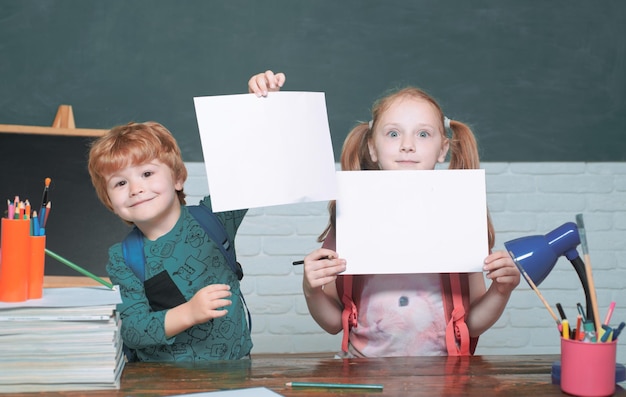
<point x="320" y="268"/>
<point x="260" y="84"/>
<point x="209" y="303"/>
<point x="501" y="270"/>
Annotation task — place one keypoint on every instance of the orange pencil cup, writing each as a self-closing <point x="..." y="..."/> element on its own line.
<point x="14" y="260"/>
<point x="588" y="368"/>
<point x="36" y="269"/>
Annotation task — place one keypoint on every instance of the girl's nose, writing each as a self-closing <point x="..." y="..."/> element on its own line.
<point x="407" y="145"/>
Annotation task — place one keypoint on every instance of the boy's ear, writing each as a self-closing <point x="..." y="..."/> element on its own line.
<point x="178" y="185"/>
<point x="444" y="151"/>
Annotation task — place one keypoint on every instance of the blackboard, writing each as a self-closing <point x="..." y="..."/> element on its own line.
<point x="537" y="80"/>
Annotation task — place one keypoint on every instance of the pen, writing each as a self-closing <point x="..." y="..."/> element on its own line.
<point x="336" y="385"/>
<point x="579" y="323"/>
<point x="582" y="312"/>
<point x="296" y="263"/>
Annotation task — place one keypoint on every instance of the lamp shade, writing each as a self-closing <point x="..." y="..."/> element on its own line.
<point x="537" y="255"/>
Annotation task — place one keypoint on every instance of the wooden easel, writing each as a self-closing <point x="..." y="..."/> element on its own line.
<point x="63" y="125"/>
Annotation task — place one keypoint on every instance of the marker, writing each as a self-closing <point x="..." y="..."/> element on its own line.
<point x="579" y="323"/>
<point x="565" y="324"/>
<point x="336" y="385"/>
<point x="561" y="312"/>
<point x="606" y="333"/>
<point x="618" y="330"/>
<point x="609" y="313"/>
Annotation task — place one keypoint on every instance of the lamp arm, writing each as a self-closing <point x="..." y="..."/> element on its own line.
<point x="579" y="266"/>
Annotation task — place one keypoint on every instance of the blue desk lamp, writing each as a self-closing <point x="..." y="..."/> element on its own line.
<point x="535" y="257"/>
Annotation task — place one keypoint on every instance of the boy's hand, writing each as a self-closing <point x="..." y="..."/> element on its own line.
<point x="209" y="303"/>
<point x="260" y="84"/>
<point x="321" y="267"/>
<point x="501" y="270"/>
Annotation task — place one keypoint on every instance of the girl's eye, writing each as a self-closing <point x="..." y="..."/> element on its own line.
<point x="119" y="183"/>
<point x="393" y="134"/>
<point x="147" y="173"/>
<point x="423" y="134"/>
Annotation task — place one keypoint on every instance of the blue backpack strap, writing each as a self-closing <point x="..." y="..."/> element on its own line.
<point x="216" y="231"/>
<point x="132" y="248"/>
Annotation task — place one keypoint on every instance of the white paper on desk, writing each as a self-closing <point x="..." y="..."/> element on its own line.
<point x="412" y="221"/>
<point x="266" y="151"/>
<point x="249" y="392"/>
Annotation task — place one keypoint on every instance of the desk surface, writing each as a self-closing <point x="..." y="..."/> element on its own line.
<point x="524" y="375"/>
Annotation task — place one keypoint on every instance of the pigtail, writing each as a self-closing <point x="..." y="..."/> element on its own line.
<point x="354" y="156"/>
<point x="464" y="155"/>
<point x="463" y="147"/>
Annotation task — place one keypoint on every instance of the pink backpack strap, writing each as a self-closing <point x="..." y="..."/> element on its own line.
<point x="348" y="316"/>
<point x="455" y="293"/>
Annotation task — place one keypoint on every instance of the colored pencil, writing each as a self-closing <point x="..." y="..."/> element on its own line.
<point x="78" y="268"/>
<point x="336" y="385"/>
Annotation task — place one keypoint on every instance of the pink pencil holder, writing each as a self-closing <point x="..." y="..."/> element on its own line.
<point x="588" y="368"/>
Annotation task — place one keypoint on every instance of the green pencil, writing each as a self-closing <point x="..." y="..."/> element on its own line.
<point x="336" y="385"/>
<point x="78" y="268"/>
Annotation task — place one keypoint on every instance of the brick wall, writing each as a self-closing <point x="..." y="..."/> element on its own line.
<point x="524" y="199"/>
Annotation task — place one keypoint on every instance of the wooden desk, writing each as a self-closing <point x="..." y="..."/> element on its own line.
<point x="523" y="375"/>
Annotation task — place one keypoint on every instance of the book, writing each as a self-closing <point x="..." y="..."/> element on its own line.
<point x="67" y="340"/>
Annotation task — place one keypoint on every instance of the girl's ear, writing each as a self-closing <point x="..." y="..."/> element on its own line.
<point x="372" y="151"/>
<point x="444" y="151"/>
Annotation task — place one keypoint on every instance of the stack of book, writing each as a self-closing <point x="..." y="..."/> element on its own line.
<point x="68" y="340"/>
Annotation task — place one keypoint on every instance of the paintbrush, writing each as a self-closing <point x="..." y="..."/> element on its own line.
<point x="592" y="289"/>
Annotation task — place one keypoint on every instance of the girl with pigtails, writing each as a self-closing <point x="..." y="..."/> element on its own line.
<point x="385" y="315"/>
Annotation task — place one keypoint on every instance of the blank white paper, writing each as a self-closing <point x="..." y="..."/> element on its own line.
<point x="266" y="151"/>
<point x="412" y="221"/>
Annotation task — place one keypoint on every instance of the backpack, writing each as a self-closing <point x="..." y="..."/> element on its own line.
<point x="455" y="294"/>
<point x="132" y="246"/>
<point x="132" y="249"/>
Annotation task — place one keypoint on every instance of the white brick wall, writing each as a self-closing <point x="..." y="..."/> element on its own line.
<point x="524" y="199"/>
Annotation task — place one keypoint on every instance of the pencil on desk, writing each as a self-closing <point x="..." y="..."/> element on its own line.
<point x="78" y="268"/>
<point x="336" y="385"/>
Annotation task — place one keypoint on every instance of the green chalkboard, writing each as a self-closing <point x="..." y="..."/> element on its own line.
<point x="537" y="80"/>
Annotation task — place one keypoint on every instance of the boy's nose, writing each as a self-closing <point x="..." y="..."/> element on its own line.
<point x="136" y="188"/>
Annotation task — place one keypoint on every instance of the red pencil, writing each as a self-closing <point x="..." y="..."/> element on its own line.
<point x="579" y="324"/>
